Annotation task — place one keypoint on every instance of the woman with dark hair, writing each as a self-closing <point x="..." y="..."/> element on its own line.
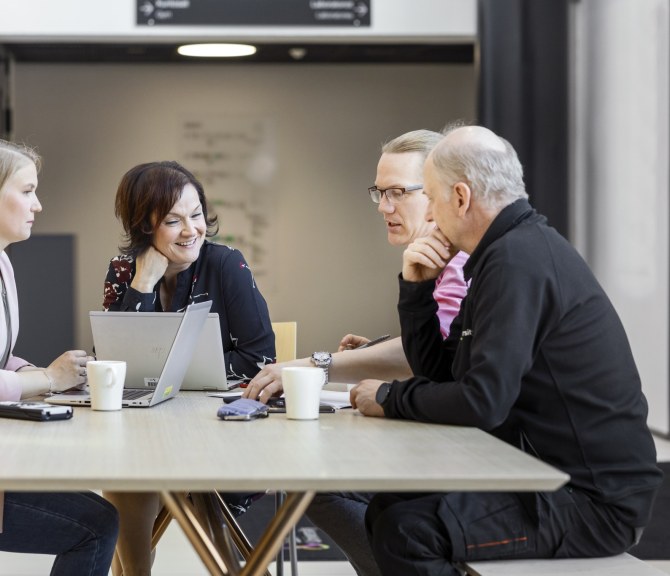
<point x="79" y="528"/>
<point x="166" y="264"/>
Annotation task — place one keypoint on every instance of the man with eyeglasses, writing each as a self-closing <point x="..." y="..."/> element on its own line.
<point x="398" y="193"/>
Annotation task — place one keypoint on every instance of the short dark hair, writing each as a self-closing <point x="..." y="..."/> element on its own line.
<point x="146" y="194"/>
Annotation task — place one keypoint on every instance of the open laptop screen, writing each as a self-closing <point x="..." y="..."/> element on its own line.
<point x="143" y="340"/>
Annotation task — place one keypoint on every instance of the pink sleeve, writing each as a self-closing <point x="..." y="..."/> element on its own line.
<point x="450" y="289"/>
<point x="10" y="388"/>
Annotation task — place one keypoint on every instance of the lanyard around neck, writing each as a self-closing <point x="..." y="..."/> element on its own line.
<point x="8" y="321"/>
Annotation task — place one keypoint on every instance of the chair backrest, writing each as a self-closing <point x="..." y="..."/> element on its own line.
<point x="285" y="340"/>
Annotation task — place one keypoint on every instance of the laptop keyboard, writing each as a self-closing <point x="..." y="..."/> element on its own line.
<point x="134" y="394"/>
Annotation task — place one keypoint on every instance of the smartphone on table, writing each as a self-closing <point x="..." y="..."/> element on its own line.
<point x="36" y="411"/>
<point x="277" y="405"/>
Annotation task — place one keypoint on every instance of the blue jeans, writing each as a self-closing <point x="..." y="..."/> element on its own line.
<point x="80" y="529"/>
<point x="341" y="515"/>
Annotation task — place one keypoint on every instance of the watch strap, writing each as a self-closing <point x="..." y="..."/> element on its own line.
<point x="383" y="393"/>
<point x="322" y="360"/>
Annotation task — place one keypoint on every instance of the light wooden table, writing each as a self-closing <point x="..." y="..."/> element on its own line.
<point x="181" y="446"/>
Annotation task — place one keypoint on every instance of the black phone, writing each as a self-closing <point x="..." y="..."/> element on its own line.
<point x="278" y="406"/>
<point x="37" y="411"/>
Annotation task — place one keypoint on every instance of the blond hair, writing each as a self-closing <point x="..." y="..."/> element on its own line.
<point x="15" y="156"/>
<point x="421" y="141"/>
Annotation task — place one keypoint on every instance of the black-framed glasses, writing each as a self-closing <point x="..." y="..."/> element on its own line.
<point x="394" y="194"/>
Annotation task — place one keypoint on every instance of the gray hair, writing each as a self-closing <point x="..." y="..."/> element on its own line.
<point x="13" y="157"/>
<point x="494" y="176"/>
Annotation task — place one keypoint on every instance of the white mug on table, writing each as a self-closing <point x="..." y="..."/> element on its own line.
<point x="105" y="381"/>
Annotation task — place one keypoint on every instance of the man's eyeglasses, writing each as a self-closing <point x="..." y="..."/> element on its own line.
<point x="393" y="195"/>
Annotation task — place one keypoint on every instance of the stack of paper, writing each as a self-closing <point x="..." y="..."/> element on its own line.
<point x="335" y="398"/>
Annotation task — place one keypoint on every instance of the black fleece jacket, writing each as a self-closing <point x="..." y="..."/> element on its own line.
<point x="538" y="357"/>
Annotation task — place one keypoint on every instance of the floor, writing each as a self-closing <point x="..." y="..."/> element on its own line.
<point x="176" y="558"/>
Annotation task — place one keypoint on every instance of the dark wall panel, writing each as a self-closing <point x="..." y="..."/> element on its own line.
<point x="44" y="270"/>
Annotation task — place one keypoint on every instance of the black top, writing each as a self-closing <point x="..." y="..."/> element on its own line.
<point x="220" y="274"/>
<point x="538" y="357"/>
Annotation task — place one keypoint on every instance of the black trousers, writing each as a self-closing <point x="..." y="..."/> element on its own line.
<point x="425" y="534"/>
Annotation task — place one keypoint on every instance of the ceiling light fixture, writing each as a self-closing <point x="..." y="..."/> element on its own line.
<point x="216" y="50"/>
<point x="297" y="53"/>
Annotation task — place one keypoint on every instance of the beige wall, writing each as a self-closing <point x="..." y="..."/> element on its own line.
<point x="335" y="271"/>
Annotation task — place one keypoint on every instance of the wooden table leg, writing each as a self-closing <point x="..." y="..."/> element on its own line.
<point x="274" y="535"/>
<point x="239" y="537"/>
<point x="223" y="562"/>
<point x="160" y="526"/>
<point x="220" y="517"/>
<point x="180" y="508"/>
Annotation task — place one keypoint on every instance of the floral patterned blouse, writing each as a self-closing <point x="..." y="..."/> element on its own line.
<point x="220" y="274"/>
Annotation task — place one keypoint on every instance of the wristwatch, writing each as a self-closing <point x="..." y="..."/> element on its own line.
<point x="322" y="360"/>
<point x="383" y="393"/>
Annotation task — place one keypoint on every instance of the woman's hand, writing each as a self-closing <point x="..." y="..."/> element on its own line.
<point x="68" y="370"/>
<point x="150" y="267"/>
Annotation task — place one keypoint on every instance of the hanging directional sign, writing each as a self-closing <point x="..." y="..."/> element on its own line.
<point x="253" y="12"/>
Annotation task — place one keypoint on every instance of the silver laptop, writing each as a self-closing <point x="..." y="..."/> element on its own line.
<point x="151" y="334"/>
<point x="153" y="387"/>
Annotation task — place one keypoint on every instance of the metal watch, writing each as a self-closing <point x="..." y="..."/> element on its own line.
<point x="383" y="393"/>
<point x="322" y="360"/>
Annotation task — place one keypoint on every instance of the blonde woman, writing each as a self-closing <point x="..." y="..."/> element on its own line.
<point x="80" y="529"/>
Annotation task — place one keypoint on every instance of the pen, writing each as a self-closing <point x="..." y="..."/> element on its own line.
<point x="373" y="342"/>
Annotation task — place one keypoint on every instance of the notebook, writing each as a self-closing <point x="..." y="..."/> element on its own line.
<point x="154" y="387"/>
<point x="152" y="334"/>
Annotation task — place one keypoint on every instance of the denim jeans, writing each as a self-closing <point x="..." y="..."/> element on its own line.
<point x="80" y="529"/>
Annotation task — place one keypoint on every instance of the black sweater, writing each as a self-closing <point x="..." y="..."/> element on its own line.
<point x="538" y="357"/>
<point x="220" y="274"/>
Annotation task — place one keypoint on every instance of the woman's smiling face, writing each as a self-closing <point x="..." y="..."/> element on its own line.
<point x="181" y="233"/>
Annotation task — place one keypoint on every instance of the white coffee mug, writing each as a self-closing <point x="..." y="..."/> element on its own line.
<point x="302" y="391"/>
<point x="105" y="381"/>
